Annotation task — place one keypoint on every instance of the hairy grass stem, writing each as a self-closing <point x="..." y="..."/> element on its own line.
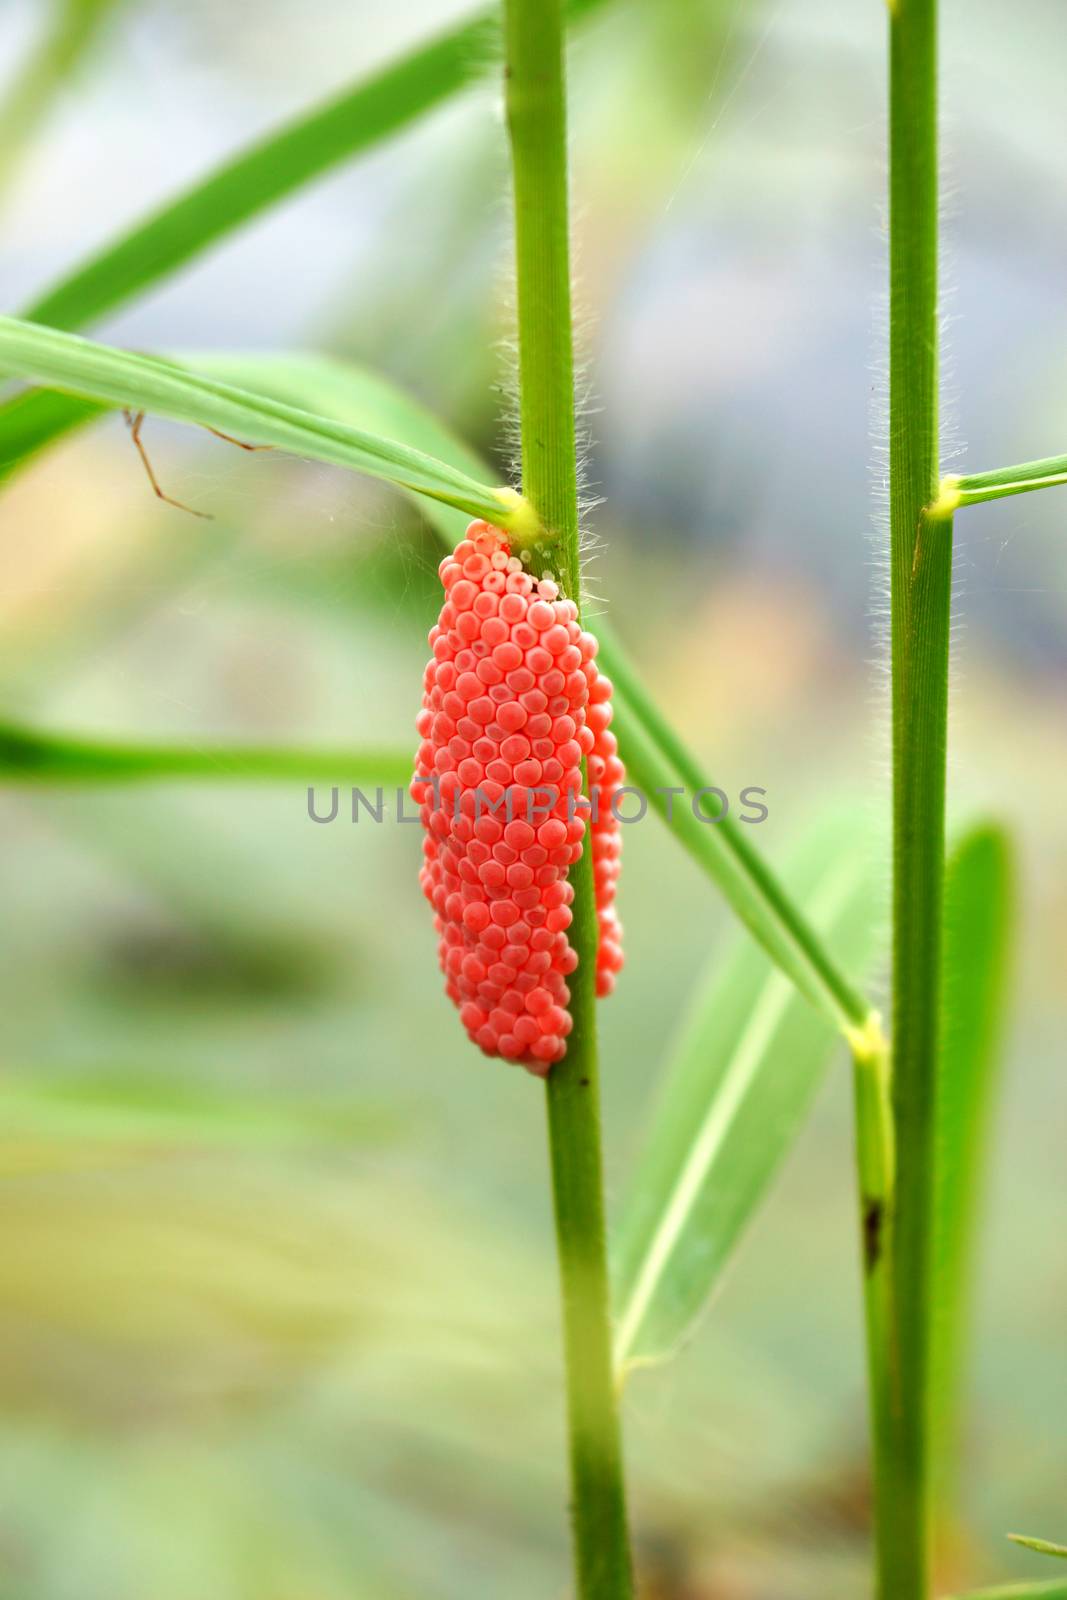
<point x="921" y="572"/>
<point x="536" y="117"/>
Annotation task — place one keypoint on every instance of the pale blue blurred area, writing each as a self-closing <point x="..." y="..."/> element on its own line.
<point x="302" y="1372"/>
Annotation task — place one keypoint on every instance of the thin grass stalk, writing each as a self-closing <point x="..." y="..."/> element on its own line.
<point x="536" y="116"/>
<point x="921" y="562"/>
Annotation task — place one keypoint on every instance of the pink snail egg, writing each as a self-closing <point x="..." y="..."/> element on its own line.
<point x="512" y="702"/>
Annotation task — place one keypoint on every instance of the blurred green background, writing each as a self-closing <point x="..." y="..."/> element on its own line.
<point x="287" y="1327"/>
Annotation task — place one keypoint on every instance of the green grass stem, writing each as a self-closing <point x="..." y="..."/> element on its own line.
<point x="536" y="117"/>
<point x="921" y="570"/>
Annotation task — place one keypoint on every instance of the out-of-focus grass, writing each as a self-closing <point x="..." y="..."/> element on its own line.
<point x="304" y="1369"/>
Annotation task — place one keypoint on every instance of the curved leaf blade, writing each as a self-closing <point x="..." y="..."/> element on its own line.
<point x="35" y="418"/>
<point x="135" y="1110"/>
<point x="1053" y="1589"/>
<point x="979" y="897"/>
<point x="355" y="395"/>
<point x="145" y="383"/>
<point x="1044" y="1547"/>
<point x="746" y="1068"/>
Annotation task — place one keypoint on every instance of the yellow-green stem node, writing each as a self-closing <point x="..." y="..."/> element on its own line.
<point x="948" y="501"/>
<point x="867" y="1040"/>
<point x="519" y="518"/>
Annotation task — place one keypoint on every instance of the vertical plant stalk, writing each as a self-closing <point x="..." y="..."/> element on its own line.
<point x="921" y="569"/>
<point x="536" y="116"/>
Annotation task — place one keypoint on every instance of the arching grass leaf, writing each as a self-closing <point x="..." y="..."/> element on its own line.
<point x="1044" y="1547"/>
<point x="145" y="383"/>
<point x="746" y="1067"/>
<point x="124" y="1109"/>
<point x="1053" y="1590"/>
<point x="360" y="397"/>
<point x="978" y="914"/>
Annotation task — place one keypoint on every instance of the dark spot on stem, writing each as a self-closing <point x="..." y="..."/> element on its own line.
<point x="583" y="1083"/>
<point x="873" y="1214"/>
<point x="21" y="752"/>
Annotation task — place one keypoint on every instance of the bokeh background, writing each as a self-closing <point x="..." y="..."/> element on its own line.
<point x="306" y="1346"/>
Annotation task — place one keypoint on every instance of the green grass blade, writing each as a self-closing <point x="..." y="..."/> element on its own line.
<point x="144" y="383"/>
<point x="1044" y="1547"/>
<point x="746" y="1068"/>
<point x="127" y="1109"/>
<point x="1052" y="1590"/>
<point x="978" y="914"/>
<point x="354" y="395"/>
<point x="27" y="756"/>
<point x="37" y="417"/>
<point x="973" y="487"/>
